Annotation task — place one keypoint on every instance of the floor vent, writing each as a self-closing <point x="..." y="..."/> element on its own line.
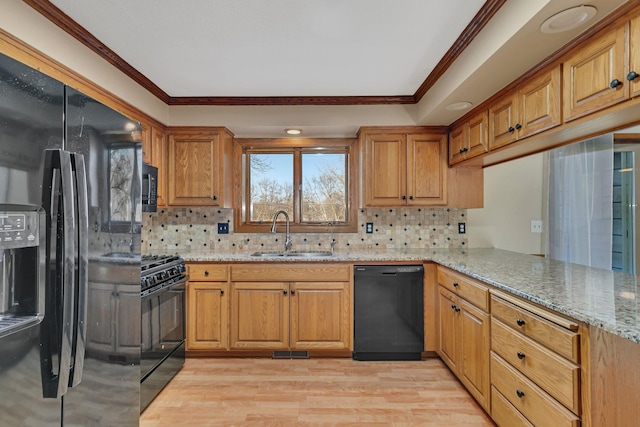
<point x="290" y="355"/>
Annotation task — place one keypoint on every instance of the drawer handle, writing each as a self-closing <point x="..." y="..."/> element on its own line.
<point x="206" y="272"/>
<point x="520" y="393"/>
<point x="520" y="322"/>
<point x="521" y="355"/>
<point x="455" y="284"/>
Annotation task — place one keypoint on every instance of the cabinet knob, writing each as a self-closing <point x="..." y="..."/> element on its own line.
<point x="456" y="284"/>
<point x="453" y="306"/>
<point x="404" y="197"/>
<point x="521" y="355"/>
<point x="632" y="75"/>
<point x="284" y="292"/>
<point x="293" y="291"/>
<point x="518" y="126"/>
<point x="615" y="83"/>
<point x="511" y="129"/>
<point x="206" y="272"/>
<point x="457" y="309"/>
<point x="214" y="197"/>
<point x="520" y="322"/>
<point x="410" y="197"/>
<point x="461" y="151"/>
<point x="465" y="149"/>
<point x="221" y="291"/>
<point x="520" y="393"/>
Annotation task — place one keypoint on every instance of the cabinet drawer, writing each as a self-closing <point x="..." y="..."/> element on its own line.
<point x="529" y="399"/>
<point x="556" y="375"/>
<point x="207" y="272"/>
<point x="561" y="340"/>
<point x="503" y="412"/>
<point x="465" y="287"/>
<point x="289" y="272"/>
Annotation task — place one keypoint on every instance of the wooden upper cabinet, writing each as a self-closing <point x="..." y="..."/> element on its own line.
<point x="633" y="77"/>
<point x="594" y="77"/>
<point x="539" y="103"/>
<point x="146" y="143"/>
<point x="531" y="108"/>
<point x="197" y="159"/>
<point x="385" y="170"/>
<point x="469" y="139"/>
<point x="503" y="122"/>
<point x="404" y="169"/>
<point x="158" y="142"/>
<point x="426" y="170"/>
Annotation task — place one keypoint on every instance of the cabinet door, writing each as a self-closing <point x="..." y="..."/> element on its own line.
<point x="146" y="143"/>
<point x="159" y="160"/>
<point x="426" y="167"/>
<point x="539" y="102"/>
<point x="101" y="317"/>
<point x="477" y="135"/>
<point x="448" y="328"/>
<point x="634" y="56"/>
<point x="207" y="315"/>
<point x="474" y="352"/>
<point x="385" y="170"/>
<point x="259" y="315"/>
<point x="192" y="159"/>
<point x="320" y="316"/>
<point x="127" y="313"/>
<point x="503" y="121"/>
<point x="589" y="73"/>
<point x="457" y="144"/>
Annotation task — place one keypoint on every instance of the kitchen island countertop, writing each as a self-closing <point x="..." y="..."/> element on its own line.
<point x="602" y="298"/>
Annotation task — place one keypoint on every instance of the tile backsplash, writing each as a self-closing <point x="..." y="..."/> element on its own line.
<point x="195" y="231"/>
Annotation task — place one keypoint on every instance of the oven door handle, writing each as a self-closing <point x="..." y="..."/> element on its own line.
<point x="171" y="288"/>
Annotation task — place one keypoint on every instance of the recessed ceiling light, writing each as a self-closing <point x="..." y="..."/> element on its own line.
<point x="456" y="106"/>
<point x="568" y="19"/>
<point x="293" y="131"/>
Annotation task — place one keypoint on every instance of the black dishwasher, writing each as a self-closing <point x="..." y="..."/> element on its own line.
<point x="388" y="312"/>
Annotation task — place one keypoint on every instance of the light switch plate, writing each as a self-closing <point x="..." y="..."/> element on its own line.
<point x="369" y="228"/>
<point x="462" y="228"/>
<point x="223" y="228"/>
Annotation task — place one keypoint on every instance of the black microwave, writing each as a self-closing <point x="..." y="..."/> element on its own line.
<point x="149" y="188"/>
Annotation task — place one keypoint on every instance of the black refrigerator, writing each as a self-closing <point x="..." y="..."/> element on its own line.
<point x="70" y="220"/>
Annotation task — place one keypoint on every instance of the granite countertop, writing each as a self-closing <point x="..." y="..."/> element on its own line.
<point x="602" y="298"/>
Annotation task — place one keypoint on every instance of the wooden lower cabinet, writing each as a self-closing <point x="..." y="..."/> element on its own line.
<point x="259" y="315"/>
<point x="464" y="343"/>
<point x="207" y="315"/>
<point x="535" y="365"/>
<point x="291" y="315"/>
<point x="320" y="316"/>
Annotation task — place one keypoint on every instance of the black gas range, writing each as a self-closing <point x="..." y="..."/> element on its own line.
<point x="163" y="283"/>
<point x="160" y="271"/>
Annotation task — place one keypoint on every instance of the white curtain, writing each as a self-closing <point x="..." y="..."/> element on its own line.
<point x="579" y="215"/>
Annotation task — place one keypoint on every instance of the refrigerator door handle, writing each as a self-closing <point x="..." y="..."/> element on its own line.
<point x="57" y="333"/>
<point x="82" y="283"/>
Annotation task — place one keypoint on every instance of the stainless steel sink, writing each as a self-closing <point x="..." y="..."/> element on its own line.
<point x="300" y="254"/>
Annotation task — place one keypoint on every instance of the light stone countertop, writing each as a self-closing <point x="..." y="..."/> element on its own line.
<point x="602" y="298"/>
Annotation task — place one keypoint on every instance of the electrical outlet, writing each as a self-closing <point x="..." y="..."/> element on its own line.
<point x="223" y="228"/>
<point x="462" y="228"/>
<point x="536" y="226"/>
<point x="369" y="228"/>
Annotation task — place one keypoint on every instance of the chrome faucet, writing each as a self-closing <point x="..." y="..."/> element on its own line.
<point x="274" y="225"/>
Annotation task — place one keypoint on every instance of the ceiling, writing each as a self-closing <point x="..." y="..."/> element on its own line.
<point x="237" y="49"/>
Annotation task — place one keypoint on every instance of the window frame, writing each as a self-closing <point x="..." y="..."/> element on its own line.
<point x="294" y="145"/>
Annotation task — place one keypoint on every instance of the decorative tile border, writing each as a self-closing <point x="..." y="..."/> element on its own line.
<point x="195" y="230"/>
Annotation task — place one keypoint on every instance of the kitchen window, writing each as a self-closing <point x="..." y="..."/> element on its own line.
<point x="311" y="179"/>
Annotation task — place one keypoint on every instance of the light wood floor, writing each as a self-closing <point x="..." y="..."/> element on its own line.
<point x="313" y="392"/>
